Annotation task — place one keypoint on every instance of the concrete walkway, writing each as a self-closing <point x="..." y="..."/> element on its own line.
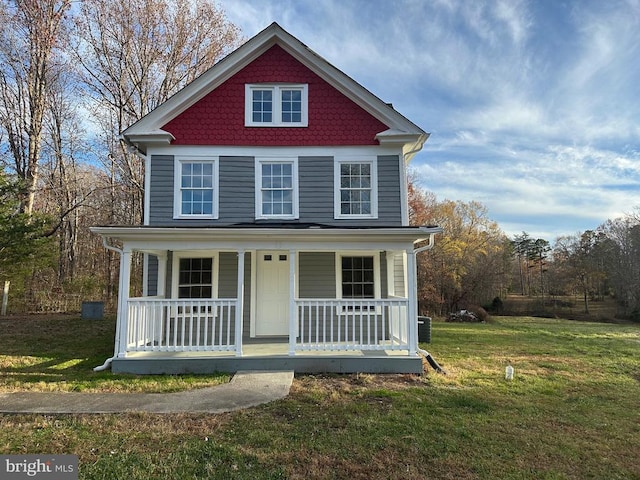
<point x="246" y="389"/>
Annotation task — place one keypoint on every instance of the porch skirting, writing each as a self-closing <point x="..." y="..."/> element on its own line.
<point x="362" y="363"/>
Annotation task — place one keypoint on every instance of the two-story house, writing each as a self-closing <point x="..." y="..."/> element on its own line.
<point x="276" y="226"/>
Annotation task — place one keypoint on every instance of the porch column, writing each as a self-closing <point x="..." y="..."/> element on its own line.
<point x="123" y="303"/>
<point x="162" y="275"/>
<point x="293" y="317"/>
<point x="412" y="309"/>
<point x="240" y="303"/>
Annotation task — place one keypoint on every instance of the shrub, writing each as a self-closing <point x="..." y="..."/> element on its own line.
<point x="480" y="312"/>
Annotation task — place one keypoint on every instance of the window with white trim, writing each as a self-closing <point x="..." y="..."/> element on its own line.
<point x="356" y="187"/>
<point x="195" y="278"/>
<point x="276" y="189"/>
<point x="358" y="278"/>
<point x="196" y="185"/>
<point x="276" y="105"/>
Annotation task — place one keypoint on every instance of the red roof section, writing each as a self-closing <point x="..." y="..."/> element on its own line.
<point x="218" y="118"/>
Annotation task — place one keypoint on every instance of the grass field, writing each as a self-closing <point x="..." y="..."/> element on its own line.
<point x="571" y="412"/>
<point x="58" y="353"/>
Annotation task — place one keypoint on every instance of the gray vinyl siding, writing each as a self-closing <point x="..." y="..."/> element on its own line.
<point x="316" y="193"/>
<point x="228" y="283"/>
<point x="161" y="190"/>
<point x="317" y="277"/>
<point x="389" y="188"/>
<point x="152" y="276"/>
<point x="167" y="287"/>
<point x="315" y="187"/>
<point x="236" y="197"/>
<point x="237" y="192"/>
<point x="383" y="275"/>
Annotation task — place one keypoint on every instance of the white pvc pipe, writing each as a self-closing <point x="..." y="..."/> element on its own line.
<point x="104" y="366"/>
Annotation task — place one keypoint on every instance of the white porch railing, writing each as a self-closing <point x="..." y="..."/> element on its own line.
<point x="190" y="325"/>
<point x="160" y="325"/>
<point x="365" y="324"/>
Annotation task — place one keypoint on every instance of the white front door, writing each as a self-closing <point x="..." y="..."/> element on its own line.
<point x="272" y="305"/>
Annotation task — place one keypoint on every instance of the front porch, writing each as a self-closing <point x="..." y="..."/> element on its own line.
<point x="199" y="336"/>
<point x="263" y="307"/>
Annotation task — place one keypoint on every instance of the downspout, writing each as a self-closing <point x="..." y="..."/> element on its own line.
<point x="107" y="362"/>
<point x="432" y="361"/>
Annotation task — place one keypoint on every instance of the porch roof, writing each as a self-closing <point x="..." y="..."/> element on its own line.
<point x="267" y="236"/>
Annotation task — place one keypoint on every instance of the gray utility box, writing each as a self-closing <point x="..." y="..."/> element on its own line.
<point x="92" y="310"/>
<point x="424" y="329"/>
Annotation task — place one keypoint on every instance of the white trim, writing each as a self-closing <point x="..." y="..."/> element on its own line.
<point x="391" y="283"/>
<point x="240" y="303"/>
<point x="175" y="270"/>
<point x="276" y="90"/>
<point x="149" y="239"/>
<point x="147" y="189"/>
<point x="293" y="311"/>
<point x="406" y="273"/>
<point x="362" y="151"/>
<point x="177" y="175"/>
<point x="258" y="187"/>
<point x="337" y="162"/>
<point x="253" y="294"/>
<point x="377" y="288"/>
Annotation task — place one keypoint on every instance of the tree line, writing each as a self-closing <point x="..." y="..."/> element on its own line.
<point x="75" y="74"/>
<point x="474" y="264"/>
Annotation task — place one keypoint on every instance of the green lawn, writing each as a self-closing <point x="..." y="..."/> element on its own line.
<point x="571" y="412"/>
<point x="58" y="353"/>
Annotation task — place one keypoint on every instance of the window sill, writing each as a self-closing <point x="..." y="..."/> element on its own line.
<point x="355" y="217"/>
<point x="195" y="217"/>
<point x="276" y="125"/>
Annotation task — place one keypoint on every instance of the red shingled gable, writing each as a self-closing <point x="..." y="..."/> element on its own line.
<point x="218" y="118"/>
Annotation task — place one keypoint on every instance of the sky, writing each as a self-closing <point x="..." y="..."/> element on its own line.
<point x="533" y="106"/>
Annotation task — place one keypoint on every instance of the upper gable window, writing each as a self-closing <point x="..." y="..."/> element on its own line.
<point x="276" y="105"/>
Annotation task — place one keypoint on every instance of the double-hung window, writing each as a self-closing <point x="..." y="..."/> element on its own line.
<point x="358" y="278"/>
<point x="195" y="278"/>
<point x="276" y="105"/>
<point x="356" y="186"/>
<point x="196" y="185"/>
<point x="276" y="189"/>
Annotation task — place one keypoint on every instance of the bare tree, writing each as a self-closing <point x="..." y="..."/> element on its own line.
<point x="134" y="56"/>
<point x="31" y="31"/>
